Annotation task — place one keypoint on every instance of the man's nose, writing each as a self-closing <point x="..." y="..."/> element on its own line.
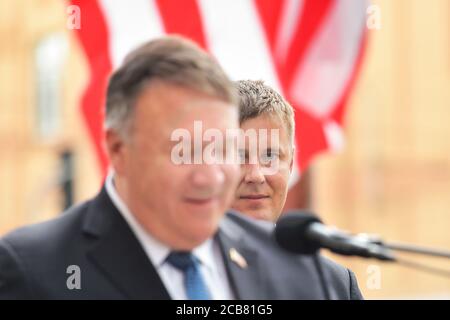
<point x="207" y="176"/>
<point x="253" y="174"/>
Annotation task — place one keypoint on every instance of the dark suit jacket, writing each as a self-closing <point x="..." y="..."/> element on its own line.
<point x="113" y="265"/>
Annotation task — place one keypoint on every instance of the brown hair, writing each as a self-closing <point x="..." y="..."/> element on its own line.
<point x="257" y="98"/>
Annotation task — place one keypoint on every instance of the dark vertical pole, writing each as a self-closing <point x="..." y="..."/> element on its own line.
<point x="67" y="179"/>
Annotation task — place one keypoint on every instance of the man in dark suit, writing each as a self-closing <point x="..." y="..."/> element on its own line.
<point x="157" y="230"/>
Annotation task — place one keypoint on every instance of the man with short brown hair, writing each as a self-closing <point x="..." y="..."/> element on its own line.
<point x="260" y="193"/>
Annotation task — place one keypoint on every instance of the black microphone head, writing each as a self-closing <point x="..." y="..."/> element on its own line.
<point x="290" y="232"/>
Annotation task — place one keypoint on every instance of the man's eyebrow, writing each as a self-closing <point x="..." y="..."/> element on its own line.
<point x="273" y="148"/>
<point x="280" y="150"/>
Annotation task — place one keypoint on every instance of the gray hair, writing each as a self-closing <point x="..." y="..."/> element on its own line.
<point x="171" y="59"/>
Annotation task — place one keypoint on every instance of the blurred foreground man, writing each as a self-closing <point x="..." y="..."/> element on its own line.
<point x="261" y="193"/>
<point x="158" y="228"/>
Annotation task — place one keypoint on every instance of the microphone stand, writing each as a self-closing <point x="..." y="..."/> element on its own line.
<point x="372" y="246"/>
<point x="397" y="246"/>
<point x="423" y="267"/>
<point x="373" y="240"/>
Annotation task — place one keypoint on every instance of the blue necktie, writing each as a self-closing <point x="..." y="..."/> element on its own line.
<point x="194" y="283"/>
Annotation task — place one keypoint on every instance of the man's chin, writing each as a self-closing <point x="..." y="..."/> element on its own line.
<point x="259" y="215"/>
<point x="202" y="235"/>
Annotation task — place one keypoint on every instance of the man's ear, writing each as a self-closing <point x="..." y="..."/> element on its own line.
<point x="116" y="148"/>
<point x="291" y="165"/>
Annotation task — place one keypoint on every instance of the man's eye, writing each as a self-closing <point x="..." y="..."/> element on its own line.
<point x="242" y="155"/>
<point x="269" y="155"/>
<point x="272" y="154"/>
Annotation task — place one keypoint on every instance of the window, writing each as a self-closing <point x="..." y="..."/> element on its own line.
<point x="50" y="57"/>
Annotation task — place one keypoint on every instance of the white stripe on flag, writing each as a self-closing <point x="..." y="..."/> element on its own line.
<point x="290" y="14"/>
<point x="320" y="80"/>
<point x="236" y="38"/>
<point x="334" y="135"/>
<point x="129" y="25"/>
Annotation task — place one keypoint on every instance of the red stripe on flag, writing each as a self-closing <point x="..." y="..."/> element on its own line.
<point x="338" y="112"/>
<point x="94" y="38"/>
<point x="310" y="137"/>
<point x="311" y="19"/>
<point x="183" y="18"/>
<point x="270" y="13"/>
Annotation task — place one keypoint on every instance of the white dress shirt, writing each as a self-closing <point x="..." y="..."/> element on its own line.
<point x="211" y="261"/>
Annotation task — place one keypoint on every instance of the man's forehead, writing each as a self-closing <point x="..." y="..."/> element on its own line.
<point x="176" y="102"/>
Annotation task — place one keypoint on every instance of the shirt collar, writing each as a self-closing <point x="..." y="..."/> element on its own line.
<point x="204" y="253"/>
<point x="155" y="250"/>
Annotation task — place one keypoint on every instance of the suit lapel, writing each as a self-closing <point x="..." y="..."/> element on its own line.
<point x="119" y="255"/>
<point x="241" y="262"/>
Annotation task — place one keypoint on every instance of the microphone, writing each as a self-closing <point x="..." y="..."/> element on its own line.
<point x="302" y="232"/>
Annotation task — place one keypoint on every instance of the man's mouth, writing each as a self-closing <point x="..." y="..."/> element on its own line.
<point x="254" y="196"/>
<point x="200" y="201"/>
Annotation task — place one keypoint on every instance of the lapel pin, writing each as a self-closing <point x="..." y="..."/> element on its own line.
<point x="237" y="258"/>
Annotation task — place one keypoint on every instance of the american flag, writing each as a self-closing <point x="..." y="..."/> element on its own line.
<point x="309" y="50"/>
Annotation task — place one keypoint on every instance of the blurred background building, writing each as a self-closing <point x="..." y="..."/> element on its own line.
<point x="392" y="178"/>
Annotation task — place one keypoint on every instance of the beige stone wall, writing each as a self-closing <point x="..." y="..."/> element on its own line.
<point x="29" y="164"/>
<point x="394" y="176"/>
